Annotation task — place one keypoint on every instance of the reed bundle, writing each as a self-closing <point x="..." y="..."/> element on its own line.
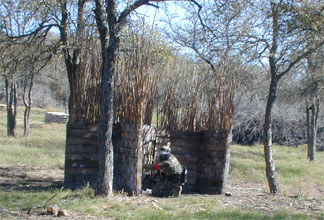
<point x="198" y="98"/>
<point x="140" y="63"/>
<point x="87" y="84"/>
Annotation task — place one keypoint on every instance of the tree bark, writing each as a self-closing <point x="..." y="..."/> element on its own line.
<point x="313" y="133"/>
<point x="312" y="129"/>
<point x="109" y="52"/>
<point x="108" y="22"/>
<point x="105" y="150"/>
<point x="308" y="129"/>
<point x="27" y="98"/>
<point x="11" y="101"/>
<point x="267" y="140"/>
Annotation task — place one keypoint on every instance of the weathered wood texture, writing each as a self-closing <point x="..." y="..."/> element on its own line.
<point x="81" y="158"/>
<point x="81" y="155"/>
<point x="213" y="162"/>
<point x="185" y="146"/>
<point x="125" y="158"/>
<point x="205" y="154"/>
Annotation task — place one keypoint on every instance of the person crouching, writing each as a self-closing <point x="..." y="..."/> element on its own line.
<point x="169" y="172"/>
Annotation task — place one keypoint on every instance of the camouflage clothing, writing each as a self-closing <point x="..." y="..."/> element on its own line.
<point x="164" y="188"/>
<point x="170" y="171"/>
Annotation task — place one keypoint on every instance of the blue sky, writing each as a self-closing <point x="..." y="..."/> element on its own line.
<point x="157" y="15"/>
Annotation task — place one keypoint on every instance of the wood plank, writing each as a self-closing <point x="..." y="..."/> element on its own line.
<point x="83" y="156"/>
<point x="127" y="152"/>
<point x="217" y="133"/>
<point x="178" y="141"/>
<point x="181" y="150"/>
<point x="209" y="190"/>
<point x="81" y="164"/>
<point x="188" y="188"/>
<point x="79" y="148"/>
<point x="83" y="125"/>
<point x="75" y="133"/>
<point x="191" y="169"/>
<point x="207" y="173"/>
<point x="212" y="155"/>
<point x="210" y="148"/>
<point x="86" y="141"/>
<point x="178" y="134"/>
<point x="210" y="182"/>
<point x="215" y="163"/>
<point x="191" y="181"/>
<point x="186" y="158"/>
<point x="82" y="171"/>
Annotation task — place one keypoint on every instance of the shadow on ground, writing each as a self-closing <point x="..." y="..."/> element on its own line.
<point x="26" y="179"/>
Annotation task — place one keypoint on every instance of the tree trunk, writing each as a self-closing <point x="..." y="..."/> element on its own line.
<point x="105" y="148"/>
<point x="311" y="118"/>
<point x="267" y="140"/>
<point x="312" y="129"/>
<point x="308" y="129"/>
<point x="27" y="98"/>
<point x="267" y="130"/>
<point x="11" y="101"/>
<point x="313" y="134"/>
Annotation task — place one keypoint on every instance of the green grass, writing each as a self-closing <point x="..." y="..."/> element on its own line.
<point x="294" y="170"/>
<point x="44" y="149"/>
<point x="82" y="202"/>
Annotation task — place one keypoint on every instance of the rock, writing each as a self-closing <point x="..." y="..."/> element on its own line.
<point x="56" y="117"/>
<point x="52" y="210"/>
<point x="62" y="213"/>
<point x="228" y="194"/>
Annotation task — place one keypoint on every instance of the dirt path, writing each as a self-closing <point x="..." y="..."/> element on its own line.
<point x="256" y="196"/>
<point x="243" y="194"/>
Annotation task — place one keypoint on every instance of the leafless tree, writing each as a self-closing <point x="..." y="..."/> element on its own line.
<point x="285" y="42"/>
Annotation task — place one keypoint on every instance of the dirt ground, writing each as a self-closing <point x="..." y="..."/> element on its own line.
<point x="240" y="194"/>
<point x="256" y="196"/>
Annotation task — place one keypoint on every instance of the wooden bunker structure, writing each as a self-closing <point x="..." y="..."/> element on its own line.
<point x="205" y="154"/>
